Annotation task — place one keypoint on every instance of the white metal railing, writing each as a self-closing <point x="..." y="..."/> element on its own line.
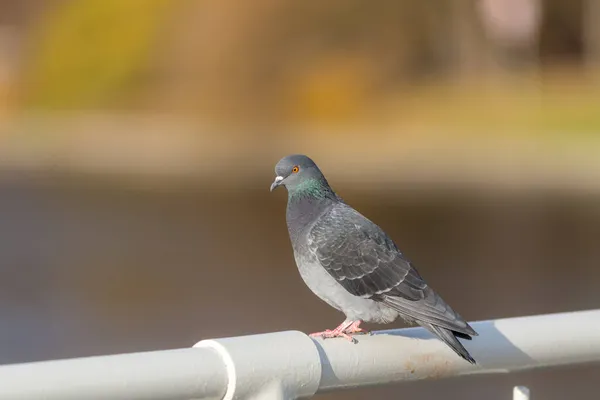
<point x="288" y="365"/>
<point x="521" y="393"/>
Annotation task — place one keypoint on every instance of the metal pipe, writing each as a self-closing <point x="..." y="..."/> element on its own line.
<point x="502" y="346"/>
<point x="289" y="365"/>
<point x="521" y="393"/>
<point x="157" y="375"/>
<point x="284" y="365"/>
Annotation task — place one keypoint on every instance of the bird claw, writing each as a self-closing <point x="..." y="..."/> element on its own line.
<point x="354" y="328"/>
<point x="320" y="334"/>
<point x="329" y="334"/>
<point x="345" y="330"/>
<point x="357" y="330"/>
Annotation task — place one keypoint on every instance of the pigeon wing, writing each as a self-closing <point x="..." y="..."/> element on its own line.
<point x="367" y="263"/>
<point x="361" y="257"/>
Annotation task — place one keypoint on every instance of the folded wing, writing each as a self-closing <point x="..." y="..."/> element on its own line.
<point x="367" y="263"/>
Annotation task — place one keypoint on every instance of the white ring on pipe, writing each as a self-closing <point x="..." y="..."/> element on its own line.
<point x="227" y="360"/>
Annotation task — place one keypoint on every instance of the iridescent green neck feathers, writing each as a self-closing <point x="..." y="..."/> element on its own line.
<point x="312" y="187"/>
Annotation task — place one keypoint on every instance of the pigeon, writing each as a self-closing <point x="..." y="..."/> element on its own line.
<point x="354" y="266"/>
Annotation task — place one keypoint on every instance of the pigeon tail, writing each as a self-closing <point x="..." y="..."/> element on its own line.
<point x="450" y="338"/>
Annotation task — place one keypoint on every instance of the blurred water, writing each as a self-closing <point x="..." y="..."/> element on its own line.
<point x="90" y="267"/>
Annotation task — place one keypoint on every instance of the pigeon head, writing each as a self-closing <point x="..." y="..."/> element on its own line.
<point x="299" y="174"/>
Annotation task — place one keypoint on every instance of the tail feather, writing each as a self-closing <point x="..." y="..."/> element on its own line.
<point x="432" y="310"/>
<point x="450" y="338"/>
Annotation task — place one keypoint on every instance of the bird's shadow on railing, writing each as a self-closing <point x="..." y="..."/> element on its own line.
<point x="490" y="348"/>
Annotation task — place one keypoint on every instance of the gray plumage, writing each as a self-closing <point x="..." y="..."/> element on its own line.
<point x="353" y="265"/>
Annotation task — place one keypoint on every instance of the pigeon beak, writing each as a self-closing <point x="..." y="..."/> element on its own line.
<point x="276" y="182"/>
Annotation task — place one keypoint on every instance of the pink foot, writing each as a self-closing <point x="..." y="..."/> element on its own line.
<point x="327" y="334"/>
<point x="321" y="334"/>
<point x="355" y="328"/>
<point x="343" y="330"/>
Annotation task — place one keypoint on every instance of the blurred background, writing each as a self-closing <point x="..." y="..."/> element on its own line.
<point x="138" y="139"/>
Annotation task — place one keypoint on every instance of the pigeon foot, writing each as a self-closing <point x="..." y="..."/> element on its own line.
<point x="355" y="328"/>
<point x="344" y="330"/>
<point x="328" y="334"/>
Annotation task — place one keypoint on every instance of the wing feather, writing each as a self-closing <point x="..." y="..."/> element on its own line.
<point x="367" y="263"/>
<point x="359" y="255"/>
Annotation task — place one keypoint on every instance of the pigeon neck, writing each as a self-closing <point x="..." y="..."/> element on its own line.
<point x="306" y="202"/>
<point x="311" y="189"/>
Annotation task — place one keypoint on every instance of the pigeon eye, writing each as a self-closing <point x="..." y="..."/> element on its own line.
<point x="295" y="169"/>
